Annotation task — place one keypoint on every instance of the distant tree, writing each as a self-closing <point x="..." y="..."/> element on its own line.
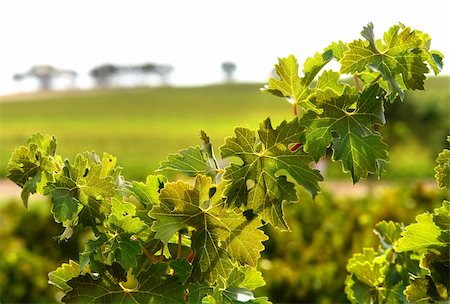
<point x="45" y="74"/>
<point x="163" y="71"/>
<point x="148" y="68"/>
<point x="103" y="74"/>
<point x="228" y="68"/>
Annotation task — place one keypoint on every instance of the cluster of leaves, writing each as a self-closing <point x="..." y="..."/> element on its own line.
<point x="155" y="242"/>
<point x="308" y="264"/>
<point x="344" y="117"/>
<point x="178" y="242"/>
<point x="413" y="262"/>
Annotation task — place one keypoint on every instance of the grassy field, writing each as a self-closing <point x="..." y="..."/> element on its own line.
<point x="141" y="126"/>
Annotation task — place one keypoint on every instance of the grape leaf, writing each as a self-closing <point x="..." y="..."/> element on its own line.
<point x="313" y="65"/>
<point x="260" y="182"/>
<point x="443" y="169"/>
<point x="401" y="52"/>
<point x="92" y="183"/>
<point x="422" y="235"/>
<point x="154" y="286"/>
<point x="337" y="49"/>
<point x="290" y="86"/>
<point x="198" y="291"/>
<point x="366" y="274"/>
<point x="388" y="232"/>
<point x="243" y="240"/>
<point x="348" y="124"/>
<point x="363" y="267"/>
<point x="85" y="185"/>
<point x="182" y="269"/>
<point x="64" y="273"/>
<point x="239" y="286"/>
<point x="216" y="229"/>
<point x="92" y="248"/>
<point x="94" y="213"/>
<point x="194" y="160"/>
<point x="33" y="165"/>
<point x="417" y="291"/>
<point x="127" y="229"/>
<point x="148" y="193"/>
<point x="126" y="250"/>
<point x="245" y="277"/>
<point x="436" y="61"/>
<point x="441" y="216"/>
<point x="64" y="196"/>
<point x="190" y="161"/>
<point x="328" y="86"/>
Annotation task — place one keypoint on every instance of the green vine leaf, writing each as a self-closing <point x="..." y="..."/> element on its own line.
<point x="313" y="65"/>
<point x="198" y="291"/>
<point x="417" y="291"/>
<point x="148" y="192"/>
<point x="63" y="274"/>
<point x="80" y="191"/>
<point x="182" y="269"/>
<point x="238" y="287"/>
<point x="64" y="196"/>
<point x="219" y="234"/>
<point x="128" y="230"/>
<point x="402" y="52"/>
<point x="388" y="232"/>
<point x="328" y="87"/>
<point x="260" y="183"/>
<point x="94" y="213"/>
<point x="422" y="235"/>
<point x="290" y="86"/>
<point x="366" y="274"/>
<point x="443" y="168"/>
<point x="194" y="160"/>
<point x="154" y="286"/>
<point x="337" y="49"/>
<point x="348" y="124"/>
<point x="32" y="166"/>
<point x="245" y="277"/>
<point x="190" y="162"/>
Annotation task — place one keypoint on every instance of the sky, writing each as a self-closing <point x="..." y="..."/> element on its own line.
<point x="194" y="36"/>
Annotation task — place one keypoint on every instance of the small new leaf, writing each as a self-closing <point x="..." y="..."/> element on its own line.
<point x="148" y="193"/>
<point x="293" y="88"/>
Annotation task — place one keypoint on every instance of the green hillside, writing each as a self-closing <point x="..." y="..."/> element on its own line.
<point x="139" y="126"/>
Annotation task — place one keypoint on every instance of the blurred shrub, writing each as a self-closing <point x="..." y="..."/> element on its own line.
<point x="307" y="265"/>
<point x="28" y="252"/>
<point x="422" y="117"/>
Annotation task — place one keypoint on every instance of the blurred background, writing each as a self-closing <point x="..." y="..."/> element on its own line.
<point x="139" y="79"/>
